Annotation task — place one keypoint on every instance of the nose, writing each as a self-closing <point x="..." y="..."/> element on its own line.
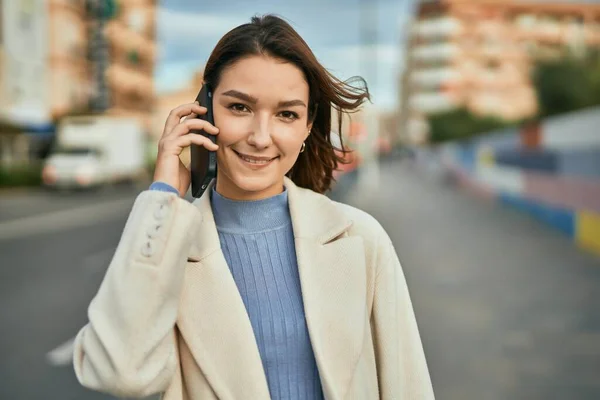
<point x="261" y="133"/>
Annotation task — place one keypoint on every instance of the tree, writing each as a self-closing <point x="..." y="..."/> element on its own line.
<point x="461" y="124"/>
<point x="567" y="84"/>
<point x="562" y="85"/>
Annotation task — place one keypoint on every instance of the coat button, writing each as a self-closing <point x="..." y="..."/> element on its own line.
<point x="154" y="230"/>
<point x="161" y="212"/>
<point x="147" y="249"/>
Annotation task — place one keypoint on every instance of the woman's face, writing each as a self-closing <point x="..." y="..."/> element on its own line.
<point x="261" y="110"/>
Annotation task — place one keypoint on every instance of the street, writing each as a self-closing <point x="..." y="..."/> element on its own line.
<point x="507" y="308"/>
<point x="46" y="283"/>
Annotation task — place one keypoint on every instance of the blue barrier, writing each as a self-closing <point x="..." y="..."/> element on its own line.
<point x="562" y="219"/>
<point x="582" y="162"/>
<point x="529" y="160"/>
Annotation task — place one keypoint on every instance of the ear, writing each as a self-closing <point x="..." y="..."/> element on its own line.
<point x="311" y="121"/>
<point x="308" y="130"/>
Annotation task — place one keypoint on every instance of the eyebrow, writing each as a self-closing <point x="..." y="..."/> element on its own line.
<point x="291" y="103"/>
<point x="241" y="96"/>
<point x="253" y="100"/>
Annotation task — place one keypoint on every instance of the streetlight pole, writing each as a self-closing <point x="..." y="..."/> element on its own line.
<point x="368" y="40"/>
<point x="368" y="173"/>
<point x="99" y="11"/>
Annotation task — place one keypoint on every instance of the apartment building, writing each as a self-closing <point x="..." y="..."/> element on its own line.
<point x="67" y="89"/>
<point x="43" y="71"/>
<point x="2" y="62"/>
<point x="132" y="52"/>
<point x="63" y="57"/>
<point x="479" y="54"/>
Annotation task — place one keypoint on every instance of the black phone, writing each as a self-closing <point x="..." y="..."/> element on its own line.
<point x="203" y="161"/>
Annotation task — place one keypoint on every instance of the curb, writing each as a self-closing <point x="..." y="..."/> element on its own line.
<point x="13" y="191"/>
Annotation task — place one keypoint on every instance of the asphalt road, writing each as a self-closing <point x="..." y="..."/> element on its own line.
<point x="47" y="280"/>
<point x="507" y="308"/>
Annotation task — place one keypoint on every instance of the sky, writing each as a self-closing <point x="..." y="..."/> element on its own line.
<point x="188" y="30"/>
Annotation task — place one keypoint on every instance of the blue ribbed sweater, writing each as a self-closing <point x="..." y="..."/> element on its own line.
<point x="258" y="243"/>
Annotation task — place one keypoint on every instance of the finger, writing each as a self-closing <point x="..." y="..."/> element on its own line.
<point x="176" y="145"/>
<point x="192" y="112"/>
<point x="179" y="112"/>
<point x="188" y="117"/>
<point x="194" y="124"/>
<point x="192" y="115"/>
<point x="192" y="138"/>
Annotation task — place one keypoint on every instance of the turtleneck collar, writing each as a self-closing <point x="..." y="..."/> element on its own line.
<point x="250" y="216"/>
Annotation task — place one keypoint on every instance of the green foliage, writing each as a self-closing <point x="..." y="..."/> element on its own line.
<point x="21" y="175"/>
<point x="133" y="57"/>
<point x="111" y="9"/>
<point x="562" y="85"/>
<point x="461" y="124"/>
<point x="567" y="84"/>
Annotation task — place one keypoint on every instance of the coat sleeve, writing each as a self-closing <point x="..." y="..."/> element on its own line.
<point x="401" y="366"/>
<point x="128" y="348"/>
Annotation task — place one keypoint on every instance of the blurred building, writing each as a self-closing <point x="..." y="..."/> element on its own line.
<point x="29" y="74"/>
<point x="479" y="54"/>
<point x="64" y="57"/>
<point x="1" y="50"/>
<point x="128" y="77"/>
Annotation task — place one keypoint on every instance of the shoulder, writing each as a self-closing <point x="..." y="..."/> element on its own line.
<point x="363" y="223"/>
<point x="378" y="247"/>
<point x="320" y="213"/>
<point x="317" y="212"/>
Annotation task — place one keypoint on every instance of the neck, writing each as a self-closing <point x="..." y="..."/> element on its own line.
<point x="226" y="188"/>
<point x="246" y="216"/>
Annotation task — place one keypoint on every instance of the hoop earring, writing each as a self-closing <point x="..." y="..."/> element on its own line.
<point x="303" y="147"/>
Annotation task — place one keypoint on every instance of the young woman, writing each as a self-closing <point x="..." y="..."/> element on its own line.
<point x="263" y="288"/>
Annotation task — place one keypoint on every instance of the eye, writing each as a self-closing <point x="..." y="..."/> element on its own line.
<point x="238" y="108"/>
<point x="289" y="115"/>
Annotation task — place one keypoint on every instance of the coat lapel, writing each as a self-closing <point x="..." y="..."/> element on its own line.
<point x="213" y="319"/>
<point x="334" y="286"/>
<point x="214" y="322"/>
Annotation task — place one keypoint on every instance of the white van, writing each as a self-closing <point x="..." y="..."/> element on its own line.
<point x="96" y="150"/>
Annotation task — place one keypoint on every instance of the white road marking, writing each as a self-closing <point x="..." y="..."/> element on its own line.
<point x="62" y="220"/>
<point x="62" y="355"/>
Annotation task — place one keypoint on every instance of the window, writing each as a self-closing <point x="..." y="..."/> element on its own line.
<point x="75" y="151"/>
<point x="525" y="20"/>
<point x="492" y="65"/>
<point x="136" y="20"/>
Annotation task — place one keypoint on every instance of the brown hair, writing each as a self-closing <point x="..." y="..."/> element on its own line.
<point x="272" y="36"/>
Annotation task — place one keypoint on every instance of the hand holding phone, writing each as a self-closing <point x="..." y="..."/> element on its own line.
<point x="178" y="135"/>
<point x="203" y="160"/>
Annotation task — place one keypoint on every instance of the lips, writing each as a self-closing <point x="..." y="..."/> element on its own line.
<point x="257" y="160"/>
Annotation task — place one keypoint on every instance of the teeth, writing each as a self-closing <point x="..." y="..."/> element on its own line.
<point x="262" y="162"/>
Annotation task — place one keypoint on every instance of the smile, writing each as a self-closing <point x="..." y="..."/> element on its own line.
<point x="257" y="161"/>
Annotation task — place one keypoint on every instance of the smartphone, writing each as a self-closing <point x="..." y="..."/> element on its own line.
<point x="203" y="162"/>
